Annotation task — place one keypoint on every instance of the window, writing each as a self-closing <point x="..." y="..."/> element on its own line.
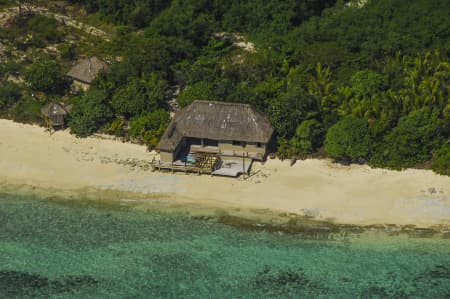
<point x="195" y="141"/>
<point x="238" y="143"/>
<point x="210" y="142"/>
<point x="259" y="144"/>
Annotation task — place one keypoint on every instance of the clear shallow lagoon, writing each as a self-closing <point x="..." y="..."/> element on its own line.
<point x="85" y="250"/>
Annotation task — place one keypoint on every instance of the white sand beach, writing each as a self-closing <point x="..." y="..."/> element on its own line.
<point x="344" y="194"/>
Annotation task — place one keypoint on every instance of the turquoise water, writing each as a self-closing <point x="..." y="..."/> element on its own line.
<point x="85" y="250"/>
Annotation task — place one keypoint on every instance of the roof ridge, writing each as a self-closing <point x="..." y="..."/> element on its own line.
<point x="222" y="103"/>
<point x="217" y="120"/>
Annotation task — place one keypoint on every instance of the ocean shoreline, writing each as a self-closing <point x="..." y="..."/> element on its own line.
<point x="60" y="164"/>
<point x="105" y="243"/>
<point x="248" y="219"/>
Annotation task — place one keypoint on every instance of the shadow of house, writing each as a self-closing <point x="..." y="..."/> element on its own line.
<point x="55" y="115"/>
<point x="85" y="72"/>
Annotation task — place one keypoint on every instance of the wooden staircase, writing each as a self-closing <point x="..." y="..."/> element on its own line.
<point x="207" y="161"/>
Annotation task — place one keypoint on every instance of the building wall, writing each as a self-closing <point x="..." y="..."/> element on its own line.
<point x="227" y="148"/>
<point x="251" y="149"/>
<point x="166" y="157"/>
<point x="169" y="157"/>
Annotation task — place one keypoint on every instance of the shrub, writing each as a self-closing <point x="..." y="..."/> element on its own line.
<point x="90" y="112"/>
<point x="285" y="149"/>
<point x="10" y="93"/>
<point x="367" y="82"/>
<point x="139" y="96"/>
<point x="348" y="139"/>
<point x="67" y="51"/>
<point x="43" y="27"/>
<point x="44" y="75"/>
<point x="27" y="110"/>
<point x="198" y="91"/>
<point x="117" y="127"/>
<point x="441" y="160"/>
<point x="411" y="142"/>
<point x="308" y="137"/>
<point x="148" y="128"/>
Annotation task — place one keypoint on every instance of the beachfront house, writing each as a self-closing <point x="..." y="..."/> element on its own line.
<point x="85" y="72"/>
<point x="210" y="136"/>
<point x="55" y="114"/>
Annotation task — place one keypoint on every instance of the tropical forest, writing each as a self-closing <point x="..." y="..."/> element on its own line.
<point x="361" y="81"/>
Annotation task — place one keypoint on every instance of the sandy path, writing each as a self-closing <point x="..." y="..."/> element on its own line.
<point x="7" y="14"/>
<point x="354" y="195"/>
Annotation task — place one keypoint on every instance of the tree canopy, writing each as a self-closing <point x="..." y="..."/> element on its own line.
<point x="348" y="139"/>
<point x="44" y="75"/>
<point x="364" y="82"/>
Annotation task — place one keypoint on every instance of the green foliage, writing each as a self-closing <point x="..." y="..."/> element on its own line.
<point x="329" y="54"/>
<point x="366" y="83"/>
<point x="117" y="127"/>
<point x="44" y="28"/>
<point x="184" y="19"/>
<point x="119" y="75"/>
<point x="308" y="137"/>
<point x="411" y="142"/>
<point x="89" y="113"/>
<point x="139" y="96"/>
<point x="441" y="160"/>
<point x="10" y="67"/>
<point x="198" y="91"/>
<point x="380" y="29"/>
<point x="265" y="92"/>
<point x="67" y="51"/>
<point x="148" y="55"/>
<point x="348" y="140"/>
<point x="6" y="2"/>
<point x="137" y="13"/>
<point x="290" y="109"/>
<point x="321" y="86"/>
<point x="208" y="65"/>
<point x="285" y="149"/>
<point x="44" y="75"/>
<point x="26" y="110"/>
<point x="10" y="93"/>
<point x="425" y="82"/>
<point x="31" y="30"/>
<point x="364" y="77"/>
<point x="148" y="128"/>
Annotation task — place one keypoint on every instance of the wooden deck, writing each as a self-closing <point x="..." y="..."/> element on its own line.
<point x="205" y="163"/>
<point x="233" y="167"/>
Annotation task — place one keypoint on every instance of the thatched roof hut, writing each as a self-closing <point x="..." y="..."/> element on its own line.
<point x="87" y="69"/>
<point x="55" y="113"/>
<point x="217" y="121"/>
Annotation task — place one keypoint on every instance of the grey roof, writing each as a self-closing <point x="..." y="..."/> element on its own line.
<point x="218" y="121"/>
<point x="54" y="109"/>
<point x="87" y="69"/>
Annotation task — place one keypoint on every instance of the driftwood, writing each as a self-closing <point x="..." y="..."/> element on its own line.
<point x="293" y="160"/>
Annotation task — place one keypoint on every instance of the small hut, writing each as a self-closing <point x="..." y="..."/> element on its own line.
<point x="55" y="114"/>
<point x="86" y="71"/>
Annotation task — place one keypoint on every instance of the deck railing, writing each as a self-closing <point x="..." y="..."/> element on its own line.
<point x="205" y="162"/>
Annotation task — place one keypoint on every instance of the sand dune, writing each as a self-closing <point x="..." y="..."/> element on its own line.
<point x="318" y="188"/>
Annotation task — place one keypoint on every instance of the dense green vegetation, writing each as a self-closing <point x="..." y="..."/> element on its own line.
<point x="348" y="139"/>
<point x="366" y="84"/>
<point x="90" y="112"/>
<point x="44" y="75"/>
